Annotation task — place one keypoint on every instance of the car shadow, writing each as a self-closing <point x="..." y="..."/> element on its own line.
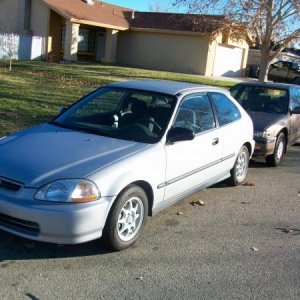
<point x="258" y="164"/>
<point x="17" y="248"/>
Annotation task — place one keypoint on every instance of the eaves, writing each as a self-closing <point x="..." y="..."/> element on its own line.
<point x="166" y="31"/>
<point x="96" y="24"/>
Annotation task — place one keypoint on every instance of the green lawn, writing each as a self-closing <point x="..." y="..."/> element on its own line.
<point x="33" y="91"/>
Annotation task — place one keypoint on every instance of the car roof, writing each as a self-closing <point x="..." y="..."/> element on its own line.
<point x="277" y="85"/>
<point x="164" y="86"/>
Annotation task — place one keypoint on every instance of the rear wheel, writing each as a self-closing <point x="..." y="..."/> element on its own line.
<point x="127" y="218"/>
<point x="240" y="168"/>
<point x="275" y="159"/>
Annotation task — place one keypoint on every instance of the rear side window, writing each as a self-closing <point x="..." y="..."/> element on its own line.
<point x="226" y="110"/>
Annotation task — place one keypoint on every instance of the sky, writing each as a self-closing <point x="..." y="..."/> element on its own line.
<point x="142" y="5"/>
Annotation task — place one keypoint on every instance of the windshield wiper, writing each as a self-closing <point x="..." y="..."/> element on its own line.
<point x="59" y="124"/>
<point x="98" y="131"/>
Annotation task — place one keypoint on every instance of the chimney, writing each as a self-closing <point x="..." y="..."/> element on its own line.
<point x="90" y="2"/>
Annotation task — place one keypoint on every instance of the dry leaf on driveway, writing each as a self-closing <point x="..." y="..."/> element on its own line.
<point x="245" y="202"/>
<point x="180" y="213"/>
<point x="198" y="202"/>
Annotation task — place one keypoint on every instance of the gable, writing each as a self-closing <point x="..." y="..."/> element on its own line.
<point x="99" y="14"/>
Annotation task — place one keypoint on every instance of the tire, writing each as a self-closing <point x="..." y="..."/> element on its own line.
<point x="127" y="218"/>
<point x="240" y="169"/>
<point x="275" y="159"/>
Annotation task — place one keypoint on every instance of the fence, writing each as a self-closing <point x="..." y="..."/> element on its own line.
<point x="22" y="47"/>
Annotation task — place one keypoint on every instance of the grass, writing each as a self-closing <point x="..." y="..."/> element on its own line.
<point x="33" y="91"/>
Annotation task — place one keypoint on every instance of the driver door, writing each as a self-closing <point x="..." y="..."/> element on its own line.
<point x="191" y="164"/>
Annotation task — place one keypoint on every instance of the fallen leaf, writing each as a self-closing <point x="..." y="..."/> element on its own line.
<point x="198" y="202"/>
<point x="180" y="213"/>
<point x="254" y="249"/>
<point x="249" y="184"/>
<point x="246" y="202"/>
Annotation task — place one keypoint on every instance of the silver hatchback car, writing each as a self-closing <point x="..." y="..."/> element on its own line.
<point x="122" y="153"/>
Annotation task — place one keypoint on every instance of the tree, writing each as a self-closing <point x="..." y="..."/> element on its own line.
<point x="270" y="24"/>
<point x="9" y="47"/>
<point x="158" y="7"/>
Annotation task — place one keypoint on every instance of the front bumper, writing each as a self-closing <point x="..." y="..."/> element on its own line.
<point x="264" y="147"/>
<point x="61" y="223"/>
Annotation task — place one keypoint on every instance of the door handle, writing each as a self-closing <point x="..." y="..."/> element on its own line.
<point x="215" y="141"/>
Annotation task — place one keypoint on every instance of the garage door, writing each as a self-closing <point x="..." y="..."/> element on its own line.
<point x="228" y="61"/>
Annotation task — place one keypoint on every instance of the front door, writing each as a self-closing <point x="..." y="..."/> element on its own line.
<point x="191" y="164"/>
<point x="101" y="41"/>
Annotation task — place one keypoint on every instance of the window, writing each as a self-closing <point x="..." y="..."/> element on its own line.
<point x="86" y="39"/>
<point x="63" y="37"/>
<point x="103" y="103"/>
<point x="226" y="110"/>
<point x="295" y="98"/>
<point x="195" y="112"/>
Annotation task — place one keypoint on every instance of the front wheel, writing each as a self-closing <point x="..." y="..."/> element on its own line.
<point x="275" y="159"/>
<point x="239" y="171"/>
<point x="127" y="218"/>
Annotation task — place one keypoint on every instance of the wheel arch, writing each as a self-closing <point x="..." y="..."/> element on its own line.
<point x="147" y="189"/>
<point x="249" y="147"/>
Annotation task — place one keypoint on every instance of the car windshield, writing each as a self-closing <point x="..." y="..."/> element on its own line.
<point x="120" y="113"/>
<point x="259" y="98"/>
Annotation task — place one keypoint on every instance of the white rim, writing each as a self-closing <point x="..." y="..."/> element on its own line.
<point x="241" y="166"/>
<point x="130" y="219"/>
<point x="279" y="151"/>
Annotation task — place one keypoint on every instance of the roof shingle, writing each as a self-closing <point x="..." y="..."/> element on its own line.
<point x="98" y="14"/>
<point x="177" y="22"/>
<point x="107" y="15"/>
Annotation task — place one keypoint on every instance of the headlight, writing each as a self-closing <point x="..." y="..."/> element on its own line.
<point x="262" y="134"/>
<point x="68" y="190"/>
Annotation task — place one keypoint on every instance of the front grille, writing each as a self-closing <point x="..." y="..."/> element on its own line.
<point x="9" y="185"/>
<point x="19" y="224"/>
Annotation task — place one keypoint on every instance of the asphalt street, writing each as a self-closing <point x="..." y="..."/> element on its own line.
<point x="243" y="244"/>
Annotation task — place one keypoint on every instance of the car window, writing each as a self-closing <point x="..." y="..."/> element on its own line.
<point x="259" y="98"/>
<point x="100" y="104"/>
<point x="227" y="111"/>
<point x="195" y="112"/>
<point x="120" y="113"/>
<point x="295" y="98"/>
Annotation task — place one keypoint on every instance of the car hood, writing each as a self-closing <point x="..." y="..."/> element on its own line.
<point x="46" y="152"/>
<point x="263" y="120"/>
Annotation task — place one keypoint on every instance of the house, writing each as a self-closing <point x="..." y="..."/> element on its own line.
<point x="92" y="30"/>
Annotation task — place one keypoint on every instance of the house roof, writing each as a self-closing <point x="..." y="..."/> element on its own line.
<point x="99" y="14"/>
<point x="102" y="14"/>
<point x="176" y="22"/>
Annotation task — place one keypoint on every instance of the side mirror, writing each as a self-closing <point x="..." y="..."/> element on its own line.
<point x="61" y="110"/>
<point x="177" y="134"/>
